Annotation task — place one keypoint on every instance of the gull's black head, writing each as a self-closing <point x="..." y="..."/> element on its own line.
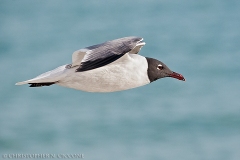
<point x="157" y="70"/>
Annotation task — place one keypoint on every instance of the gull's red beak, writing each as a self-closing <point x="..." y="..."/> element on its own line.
<point x="177" y="76"/>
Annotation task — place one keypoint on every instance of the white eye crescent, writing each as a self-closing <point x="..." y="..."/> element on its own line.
<point x="159" y="67"/>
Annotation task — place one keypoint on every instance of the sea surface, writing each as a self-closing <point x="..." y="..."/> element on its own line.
<point x="167" y="120"/>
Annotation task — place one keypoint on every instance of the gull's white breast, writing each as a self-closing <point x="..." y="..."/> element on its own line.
<point x="127" y="72"/>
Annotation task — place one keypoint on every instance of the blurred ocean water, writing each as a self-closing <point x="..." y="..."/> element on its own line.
<point x="168" y="119"/>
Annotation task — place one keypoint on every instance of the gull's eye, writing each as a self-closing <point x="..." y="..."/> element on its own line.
<point x="159" y="67"/>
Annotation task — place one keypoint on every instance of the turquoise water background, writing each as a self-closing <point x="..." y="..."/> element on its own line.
<point x="169" y="119"/>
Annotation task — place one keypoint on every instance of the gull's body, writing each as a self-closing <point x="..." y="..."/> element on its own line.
<point x="107" y="67"/>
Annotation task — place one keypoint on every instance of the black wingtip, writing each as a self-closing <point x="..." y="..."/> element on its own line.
<point x="41" y="84"/>
<point x="89" y="65"/>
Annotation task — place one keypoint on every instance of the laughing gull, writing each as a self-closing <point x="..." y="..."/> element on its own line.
<point x="107" y="67"/>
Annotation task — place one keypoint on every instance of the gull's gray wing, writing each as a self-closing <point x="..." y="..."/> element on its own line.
<point x="102" y="54"/>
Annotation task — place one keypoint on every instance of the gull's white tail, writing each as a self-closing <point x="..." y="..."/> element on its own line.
<point x="47" y="78"/>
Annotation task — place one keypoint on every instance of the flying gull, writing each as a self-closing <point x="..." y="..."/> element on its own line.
<point x="107" y="67"/>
